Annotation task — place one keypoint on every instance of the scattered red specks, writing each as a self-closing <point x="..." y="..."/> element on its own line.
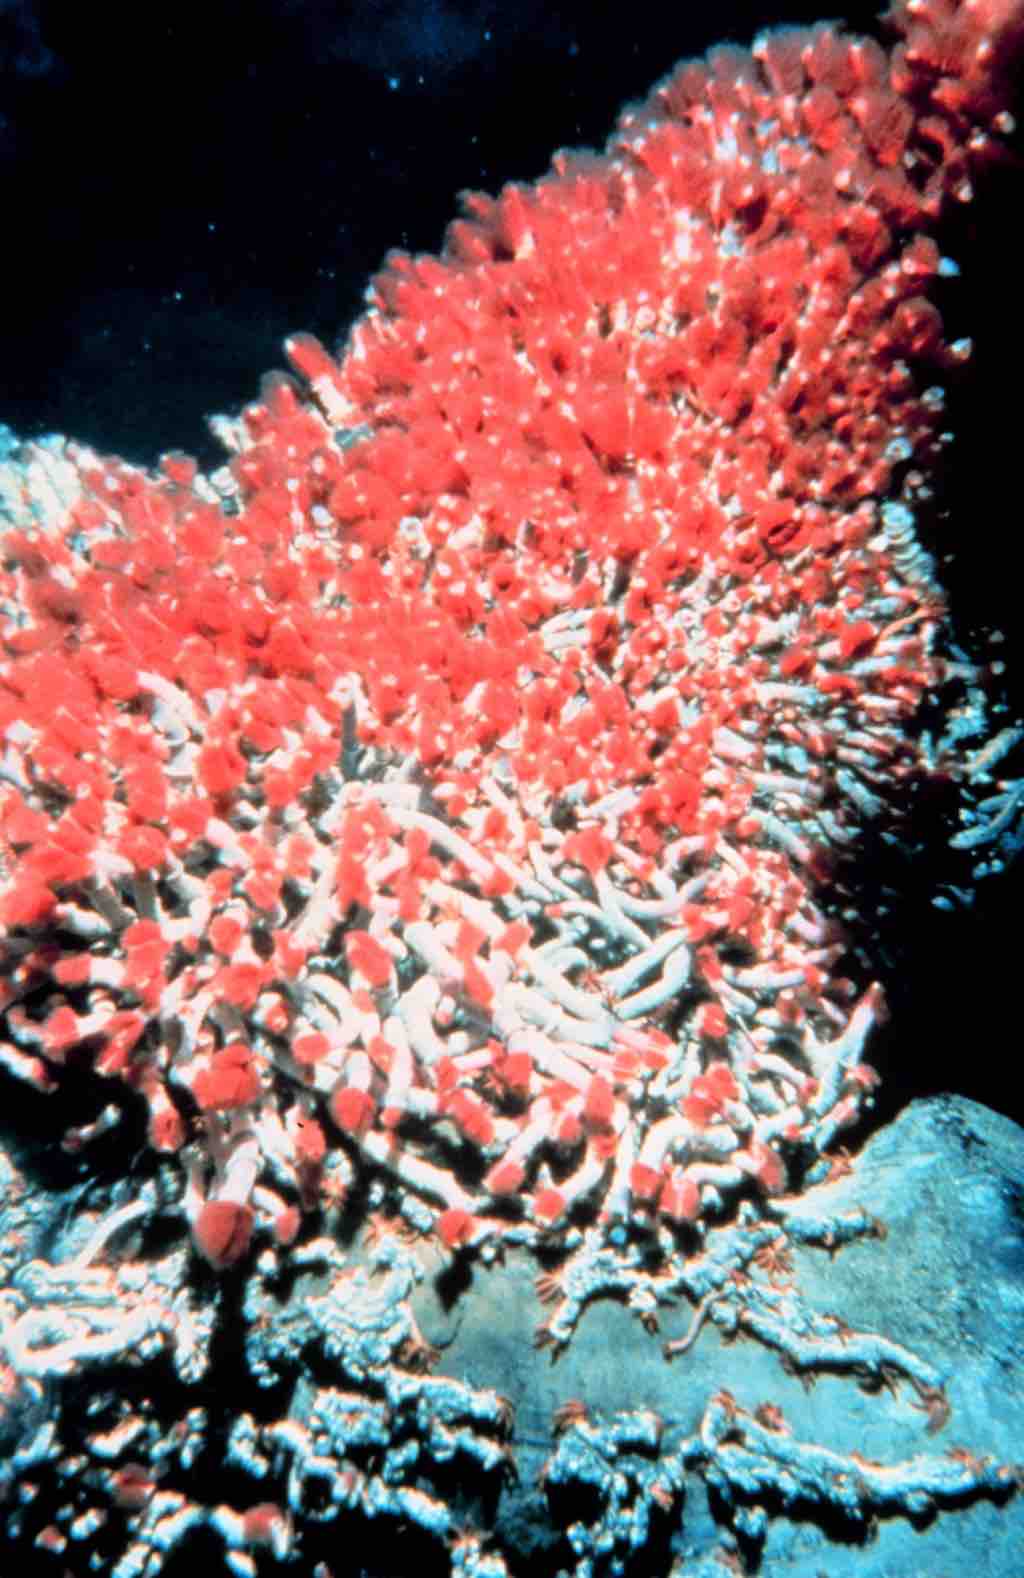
<point x="680" y="1197"/>
<point x="352" y="1109"/>
<point x="222" y="1232"/>
<point x="27" y="901"/>
<point x="589" y="848"/>
<point x="712" y="1021"/>
<point x="505" y="1178"/>
<point x="472" y="1117"/>
<point x="61" y="1032"/>
<point x="513" y="938"/>
<point x="166" y="1129"/>
<point x="856" y="640"/>
<point x="132" y="1485"/>
<point x="310" y="1141"/>
<point x="548" y="1205"/>
<point x="456" y="1227"/>
<point x="220" y="768"/>
<point x="367" y="958"/>
<point x="709" y="1094"/>
<point x="599" y="1103"/>
<point x="231" y="1080"/>
<point x="516" y="1070"/>
<point x="381" y="1053"/>
<point x="567" y="1129"/>
<point x="287" y="1225"/>
<point x="51" y="1539"/>
<point x="263" y="1522"/>
<point x="644" y="1182"/>
<point x="478" y="986"/>
<point x="310" y="1049"/>
<point x="241" y="983"/>
<point x="766" y="1166"/>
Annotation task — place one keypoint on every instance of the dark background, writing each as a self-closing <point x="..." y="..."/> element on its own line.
<point x="184" y="184"/>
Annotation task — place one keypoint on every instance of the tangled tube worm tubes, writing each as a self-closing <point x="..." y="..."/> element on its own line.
<point x="447" y="783"/>
<point x="454" y="770"/>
